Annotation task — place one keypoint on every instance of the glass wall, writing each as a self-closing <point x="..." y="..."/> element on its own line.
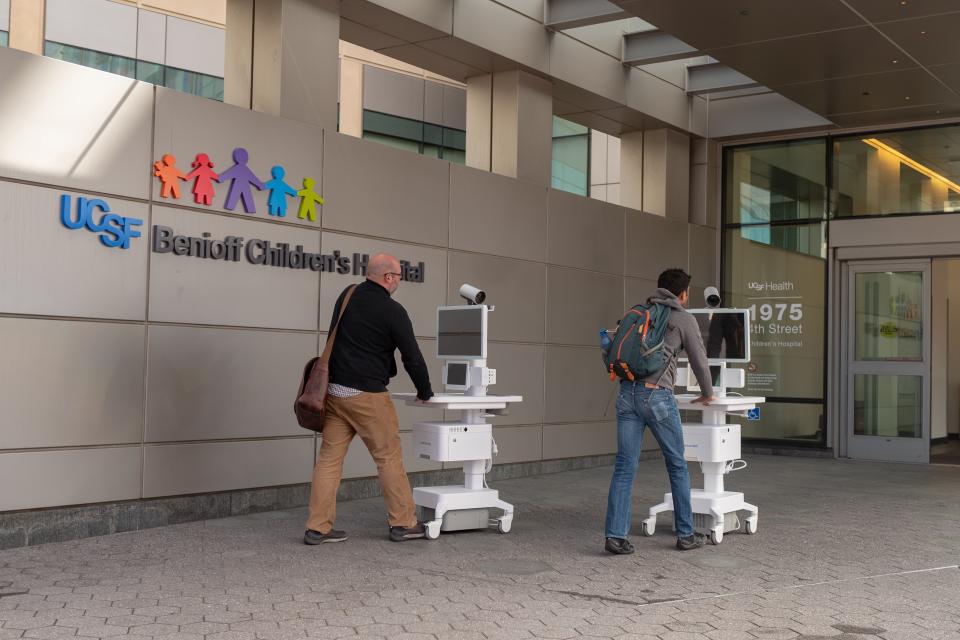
<point x="412" y="135"/>
<point x="774" y="263"/>
<point x="916" y="171"/>
<point x="198" y="84"/>
<point x="570" y="164"/>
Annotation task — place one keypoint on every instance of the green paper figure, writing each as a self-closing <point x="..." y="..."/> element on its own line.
<point x="308" y="201"/>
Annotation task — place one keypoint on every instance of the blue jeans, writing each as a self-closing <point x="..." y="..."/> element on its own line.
<point x="639" y="407"/>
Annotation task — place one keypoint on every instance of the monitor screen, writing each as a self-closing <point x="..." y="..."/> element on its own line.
<point x="461" y="332"/>
<point x="725" y="333"/>
<point x="457" y="374"/>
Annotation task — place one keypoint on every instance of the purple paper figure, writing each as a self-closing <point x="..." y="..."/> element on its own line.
<point x="279" y="191"/>
<point x="242" y="178"/>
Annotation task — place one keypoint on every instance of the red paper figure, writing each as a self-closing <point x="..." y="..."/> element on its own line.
<point x="203" y="177"/>
<point x="166" y="170"/>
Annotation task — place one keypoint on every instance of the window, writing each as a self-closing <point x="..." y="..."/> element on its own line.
<point x="412" y="135"/>
<point x="571" y="157"/>
<point x="198" y="84"/>
<point x="774" y="264"/>
<point x="4" y="39"/>
<point x="916" y="171"/>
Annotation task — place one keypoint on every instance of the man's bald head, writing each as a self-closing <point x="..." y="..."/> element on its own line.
<point x="384" y="269"/>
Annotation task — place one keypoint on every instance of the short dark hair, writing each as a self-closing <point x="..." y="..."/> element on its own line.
<point x="676" y="281"/>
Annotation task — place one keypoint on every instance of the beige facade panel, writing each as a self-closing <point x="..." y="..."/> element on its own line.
<point x="420" y="299"/>
<point x="583" y="232"/>
<point x="65" y="384"/>
<point x="375" y="190"/>
<point x="206" y="383"/>
<point x="654" y="244"/>
<point x="703" y="257"/>
<point x="525" y="41"/>
<point x="516" y="288"/>
<point x="494" y="214"/>
<point x="637" y="290"/>
<point x="580" y="303"/>
<point x="518" y="444"/>
<point x="178" y="469"/>
<point x="188" y="125"/>
<point x="198" y="290"/>
<point x="587" y="68"/>
<point x="579" y="439"/>
<point x="101" y="145"/>
<point x="49" y="269"/>
<point x="577" y="387"/>
<point x="39" y="479"/>
<point x="519" y="372"/>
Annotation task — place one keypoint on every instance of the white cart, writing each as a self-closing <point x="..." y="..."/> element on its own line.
<point x="715" y="444"/>
<point x="468" y="440"/>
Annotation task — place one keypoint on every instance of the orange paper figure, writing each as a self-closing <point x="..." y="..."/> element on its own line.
<point x="308" y="201"/>
<point x="166" y="170"/>
<point x="203" y="177"/>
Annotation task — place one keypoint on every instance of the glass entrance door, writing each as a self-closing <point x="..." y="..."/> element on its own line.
<point x="887" y="357"/>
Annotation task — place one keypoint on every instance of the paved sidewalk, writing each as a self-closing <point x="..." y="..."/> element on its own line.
<point x="844" y="550"/>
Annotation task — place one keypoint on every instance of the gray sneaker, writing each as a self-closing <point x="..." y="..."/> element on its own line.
<point x="619" y="546"/>
<point x="315" y="537"/>
<point x="400" y="534"/>
<point x="688" y="543"/>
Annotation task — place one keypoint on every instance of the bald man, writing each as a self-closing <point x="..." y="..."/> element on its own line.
<point x="361" y="364"/>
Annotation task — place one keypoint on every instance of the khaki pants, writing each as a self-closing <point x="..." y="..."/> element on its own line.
<point x="372" y="417"/>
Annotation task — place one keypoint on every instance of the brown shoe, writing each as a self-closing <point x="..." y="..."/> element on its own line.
<point x="400" y="534"/>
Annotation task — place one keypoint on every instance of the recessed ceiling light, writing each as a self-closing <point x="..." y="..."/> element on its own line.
<point x="903" y="3"/>
<point x="906" y="97"/>
<point x="865" y="93"/>
<point x="923" y="33"/>
<point x="745" y="12"/>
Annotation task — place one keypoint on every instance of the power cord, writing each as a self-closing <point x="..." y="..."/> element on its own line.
<point x="487" y="467"/>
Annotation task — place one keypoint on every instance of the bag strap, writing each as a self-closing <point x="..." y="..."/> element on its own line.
<point x="333" y="334"/>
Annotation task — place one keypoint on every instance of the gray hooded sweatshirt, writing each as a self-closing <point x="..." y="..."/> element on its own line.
<point x="683" y="334"/>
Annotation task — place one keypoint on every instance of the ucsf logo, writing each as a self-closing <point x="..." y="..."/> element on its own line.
<point x="114" y="230"/>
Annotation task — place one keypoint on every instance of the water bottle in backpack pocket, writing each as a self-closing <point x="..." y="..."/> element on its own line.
<point x="637" y="350"/>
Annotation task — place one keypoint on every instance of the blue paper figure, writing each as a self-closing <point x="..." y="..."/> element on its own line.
<point x="279" y="191"/>
<point x="242" y="178"/>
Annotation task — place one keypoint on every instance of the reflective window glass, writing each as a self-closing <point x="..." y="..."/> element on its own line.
<point x="776" y="182"/>
<point x="916" y="171"/>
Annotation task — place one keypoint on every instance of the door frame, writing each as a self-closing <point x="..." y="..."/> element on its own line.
<point x="848" y="367"/>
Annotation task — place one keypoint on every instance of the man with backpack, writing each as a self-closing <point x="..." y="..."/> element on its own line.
<point x="643" y="354"/>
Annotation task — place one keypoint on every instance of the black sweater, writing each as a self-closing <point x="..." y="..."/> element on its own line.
<point x="373" y="326"/>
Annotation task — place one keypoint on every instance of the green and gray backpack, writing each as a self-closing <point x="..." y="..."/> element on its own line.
<point x="637" y="351"/>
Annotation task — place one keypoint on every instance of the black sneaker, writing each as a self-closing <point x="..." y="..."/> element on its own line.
<point x="315" y="537"/>
<point x="693" y="541"/>
<point x="399" y="534"/>
<point x="619" y="546"/>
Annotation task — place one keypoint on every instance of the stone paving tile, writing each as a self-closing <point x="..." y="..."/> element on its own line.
<point x="809" y="573"/>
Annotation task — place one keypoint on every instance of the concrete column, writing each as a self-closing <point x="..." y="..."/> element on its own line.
<point x="351" y="97"/>
<point x="704" y="177"/>
<point x="510" y="125"/>
<point x="631" y="170"/>
<point x="479" y="121"/>
<point x="26" y="25"/>
<point x="282" y="58"/>
<point x="666" y="174"/>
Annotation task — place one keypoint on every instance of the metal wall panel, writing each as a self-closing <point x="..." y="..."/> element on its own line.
<point x="223" y="292"/>
<point x="49" y="269"/>
<point x="65" y="384"/>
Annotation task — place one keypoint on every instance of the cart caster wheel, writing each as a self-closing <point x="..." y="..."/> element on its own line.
<point x="504" y="525"/>
<point x="433" y="530"/>
<point x="647" y="527"/>
<point x="716" y="537"/>
<point x="751" y="526"/>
